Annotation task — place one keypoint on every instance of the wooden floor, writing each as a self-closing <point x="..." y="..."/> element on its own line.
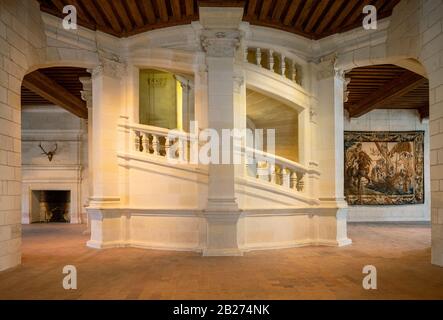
<point x="401" y="253"/>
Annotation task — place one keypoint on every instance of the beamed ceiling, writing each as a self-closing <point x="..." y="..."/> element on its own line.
<point x="386" y="87"/>
<point x="313" y="19"/>
<point x="58" y="85"/>
<point x="374" y="87"/>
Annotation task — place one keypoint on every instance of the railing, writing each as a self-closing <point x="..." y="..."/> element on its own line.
<point x="159" y="142"/>
<point x="275" y="170"/>
<point x="274" y="61"/>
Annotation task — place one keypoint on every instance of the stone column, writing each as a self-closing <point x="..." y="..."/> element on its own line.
<point x="222" y="212"/>
<point x="87" y="97"/>
<point x="107" y="99"/>
<point x="330" y="138"/>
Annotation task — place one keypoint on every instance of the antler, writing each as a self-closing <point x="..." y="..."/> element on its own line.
<point x="49" y="154"/>
<point x="44" y="151"/>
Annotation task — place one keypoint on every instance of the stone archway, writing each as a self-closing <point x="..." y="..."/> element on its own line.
<point x="415" y="42"/>
<point x="24" y="47"/>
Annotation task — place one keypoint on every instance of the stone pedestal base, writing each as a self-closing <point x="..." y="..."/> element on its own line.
<point x="222" y="234"/>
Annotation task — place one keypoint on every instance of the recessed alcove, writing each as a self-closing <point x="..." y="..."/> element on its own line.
<point x="50" y="205"/>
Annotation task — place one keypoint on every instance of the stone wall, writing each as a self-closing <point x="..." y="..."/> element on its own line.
<point x="21" y="37"/>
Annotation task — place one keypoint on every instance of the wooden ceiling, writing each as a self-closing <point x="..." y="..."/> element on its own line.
<point x="313" y="19"/>
<point x="386" y="87"/>
<point x="59" y="85"/>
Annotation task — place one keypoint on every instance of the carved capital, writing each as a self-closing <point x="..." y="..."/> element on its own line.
<point x="313" y="114"/>
<point x="220" y="43"/>
<point x="86" y="92"/>
<point x="238" y="83"/>
<point x="109" y="67"/>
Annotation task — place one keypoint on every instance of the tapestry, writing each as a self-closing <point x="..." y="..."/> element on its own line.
<point x="384" y="168"/>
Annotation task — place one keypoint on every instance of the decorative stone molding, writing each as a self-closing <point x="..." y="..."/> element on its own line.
<point x="111" y="67"/>
<point x="220" y="43"/>
<point x="86" y="93"/>
<point x="238" y="83"/>
<point x="313" y="114"/>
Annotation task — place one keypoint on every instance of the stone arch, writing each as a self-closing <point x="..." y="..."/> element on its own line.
<point x="415" y="42"/>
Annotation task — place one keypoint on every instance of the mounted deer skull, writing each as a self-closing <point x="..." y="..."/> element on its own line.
<point x="49" y="154"/>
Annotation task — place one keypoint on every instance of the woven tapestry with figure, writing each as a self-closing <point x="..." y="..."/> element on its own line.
<point x="384" y="168"/>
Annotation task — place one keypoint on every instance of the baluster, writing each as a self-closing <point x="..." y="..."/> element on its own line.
<point x="139" y="143"/>
<point x="167" y="148"/>
<point x="145" y="138"/>
<point x="262" y="170"/>
<point x="184" y="143"/>
<point x="300" y="183"/>
<point x="285" y="177"/>
<point x="271" y="59"/>
<point x="293" y="180"/>
<point x="245" y="53"/>
<point x="258" y="56"/>
<point x="155" y="145"/>
<point x="272" y="173"/>
<point x="294" y="72"/>
<point x="179" y="149"/>
<point x="283" y="64"/>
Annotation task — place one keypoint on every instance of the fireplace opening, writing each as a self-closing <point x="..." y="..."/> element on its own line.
<point x="51" y="206"/>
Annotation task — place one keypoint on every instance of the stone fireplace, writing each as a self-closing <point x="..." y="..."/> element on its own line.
<point x="51" y="205"/>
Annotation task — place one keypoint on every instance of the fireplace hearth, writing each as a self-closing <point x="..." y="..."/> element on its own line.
<point x="53" y="205"/>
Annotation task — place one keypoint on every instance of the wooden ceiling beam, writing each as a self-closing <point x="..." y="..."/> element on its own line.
<point x="250" y="12"/>
<point x="335" y="7"/>
<point x="176" y="10"/>
<point x="189" y="8"/>
<point x="148" y="10"/>
<point x="162" y="10"/>
<point x="120" y="8"/>
<point x="291" y="12"/>
<point x="278" y="10"/>
<point x="342" y="14"/>
<point x="266" y="6"/>
<point x="47" y="88"/>
<point x="135" y="12"/>
<point x="109" y="14"/>
<point x="303" y="14"/>
<point x="357" y="12"/>
<point x="93" y="11"/>
<point x="391" y="90"/>
<point x="321" y="6"/>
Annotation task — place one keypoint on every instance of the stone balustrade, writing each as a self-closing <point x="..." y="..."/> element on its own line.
<point x="175" y="145"/>
<point x="159" y="142"/>
<point x="277" y="170"/>
<point x="277" y="62"/>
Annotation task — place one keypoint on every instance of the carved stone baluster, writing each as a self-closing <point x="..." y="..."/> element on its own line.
<point x="180" y="149"/>
<point x="293" y="180"/>
<point x="300" y="183"/>
<point x="245" y="53"/>
<point x="283" y="64"/>
<point x="262" y="170"/>
<point x="155" y="145"/>
<point x="258" y="56"/>
<point x="294" y="72"/>
<point x="167" y="148"/>
<point x="184" y="144"/>
<point x="139" y="142"/>
<point x="285" y="177"/>
<point x="271" y="59"/>
<point x="272" y="173"/>
<point x="145" y="140"/>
